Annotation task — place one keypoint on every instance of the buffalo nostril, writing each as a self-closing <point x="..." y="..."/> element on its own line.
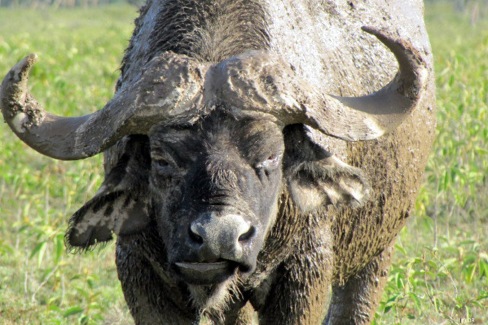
<point x="196" y="238"/>
<point x="248" y="234"/>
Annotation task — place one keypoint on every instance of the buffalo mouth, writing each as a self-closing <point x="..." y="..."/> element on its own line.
<point x="206" y="273"/>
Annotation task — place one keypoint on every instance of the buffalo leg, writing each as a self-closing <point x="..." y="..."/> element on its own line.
<point x="357" y="300"/>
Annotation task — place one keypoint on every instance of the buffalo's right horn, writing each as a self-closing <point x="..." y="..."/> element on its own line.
<point x="169" y="88"/>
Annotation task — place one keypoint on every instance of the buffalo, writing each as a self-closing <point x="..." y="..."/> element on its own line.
<point x="260" y="156"/>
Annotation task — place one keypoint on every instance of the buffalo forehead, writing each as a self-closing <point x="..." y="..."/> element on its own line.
<point x="247" y="131"/>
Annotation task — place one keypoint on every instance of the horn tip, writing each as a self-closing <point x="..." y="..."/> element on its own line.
<point x="26" y="64"/>
<point x="32" y="58"/>
<point x="368" y="29"/>
<point x="18" y="73"/>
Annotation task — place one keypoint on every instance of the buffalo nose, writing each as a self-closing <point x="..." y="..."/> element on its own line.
<point x="223" y="236"/>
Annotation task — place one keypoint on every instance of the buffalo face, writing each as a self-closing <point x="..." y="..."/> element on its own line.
<point x="214" y="188"/>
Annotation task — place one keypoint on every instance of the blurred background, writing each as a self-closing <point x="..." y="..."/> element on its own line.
<point x="440" y="270"/>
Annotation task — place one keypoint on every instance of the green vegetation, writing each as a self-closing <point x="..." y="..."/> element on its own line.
<point x="440" y="273"/>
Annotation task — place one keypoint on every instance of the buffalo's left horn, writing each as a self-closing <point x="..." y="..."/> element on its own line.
<point x="369" y="117"/>
<point x="263" y="82"/>
<point x="168" y="89"/>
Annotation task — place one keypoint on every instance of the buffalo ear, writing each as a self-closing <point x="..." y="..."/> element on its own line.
<point x="121" y="205"/>
<point x="316" y="178"/>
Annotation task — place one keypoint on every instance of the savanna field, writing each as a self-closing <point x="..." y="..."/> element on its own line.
<point x="440" y="270"/>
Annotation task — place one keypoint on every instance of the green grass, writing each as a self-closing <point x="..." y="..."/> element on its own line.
<point x="440" y="270"/>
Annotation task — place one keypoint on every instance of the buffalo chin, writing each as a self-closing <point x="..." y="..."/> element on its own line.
<point x="213" y="299"/>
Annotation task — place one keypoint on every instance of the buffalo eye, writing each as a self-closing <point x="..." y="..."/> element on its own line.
<point x="272" y="162"/>
<point x="163" y="166"/>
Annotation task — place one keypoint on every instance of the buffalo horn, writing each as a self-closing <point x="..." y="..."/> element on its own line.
<point x="369" y="117"/>
<point x="168" y="88"/>
<point x="263" y="82"/>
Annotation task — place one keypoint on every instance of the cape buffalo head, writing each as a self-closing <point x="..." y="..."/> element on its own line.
<point x="203" y="151"/>
<point x="214" y="188"/>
